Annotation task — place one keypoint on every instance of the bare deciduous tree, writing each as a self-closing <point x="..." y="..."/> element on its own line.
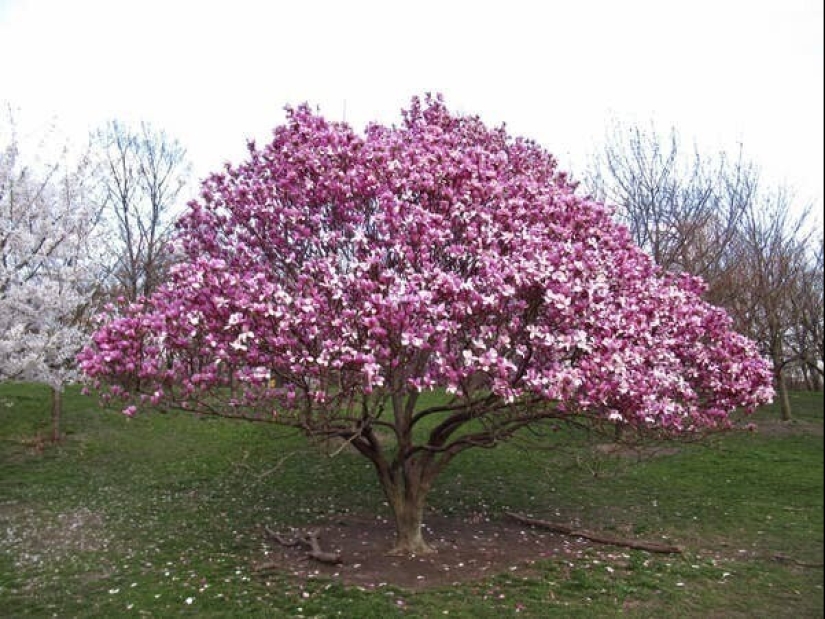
<point x="144" y="173"/>
<point x="710" y="217"/>
<point x="770" y="253"/>
<point x="681" y="207"/>
<point x="808" y="335"/>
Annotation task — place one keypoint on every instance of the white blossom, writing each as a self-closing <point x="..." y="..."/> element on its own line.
<point x="46" y="224"/>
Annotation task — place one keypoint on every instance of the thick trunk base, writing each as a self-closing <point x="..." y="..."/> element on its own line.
<point x="409" y="547"/>
<point x="409" y="522"/>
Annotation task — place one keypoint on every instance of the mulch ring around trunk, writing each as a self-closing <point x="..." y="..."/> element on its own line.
<point x="467" y="550"/>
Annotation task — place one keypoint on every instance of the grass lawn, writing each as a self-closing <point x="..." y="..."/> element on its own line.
<point x="160" y="515"/>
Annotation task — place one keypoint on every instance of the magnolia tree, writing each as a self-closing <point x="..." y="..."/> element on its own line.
<point x="46" y="227"/>
<point x="333" y="278"/>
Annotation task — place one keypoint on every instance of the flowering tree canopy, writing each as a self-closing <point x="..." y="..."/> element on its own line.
<point x="45" y="267"/>
<point x="333" y="277"/>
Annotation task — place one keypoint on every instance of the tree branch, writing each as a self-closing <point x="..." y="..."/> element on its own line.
<point x="596" y="537"/>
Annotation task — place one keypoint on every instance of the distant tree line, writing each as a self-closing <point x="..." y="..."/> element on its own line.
<point x="710" y="215"/>
<point x="96" y="227"/>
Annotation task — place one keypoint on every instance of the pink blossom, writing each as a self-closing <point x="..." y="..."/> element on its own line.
<point x="437" y="254"/>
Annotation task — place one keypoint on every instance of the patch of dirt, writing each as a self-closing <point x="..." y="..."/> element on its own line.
<point x="467" y="550"/>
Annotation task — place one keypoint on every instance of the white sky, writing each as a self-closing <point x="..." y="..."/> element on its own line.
<point x="215" y="73"/>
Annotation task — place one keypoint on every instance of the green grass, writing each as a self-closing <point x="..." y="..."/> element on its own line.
<point x="131" y="517"/>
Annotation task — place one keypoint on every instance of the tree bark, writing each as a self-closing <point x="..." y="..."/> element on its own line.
<point x="409" y="520"/>
<point x="596" y="537"/>
<point x="782" y="392"/>
<point x="407" y="498"/>
<point x="57" y="410"/>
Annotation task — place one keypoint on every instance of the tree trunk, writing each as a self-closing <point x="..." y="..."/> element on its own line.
<point x="779" y="381"/>
<point x="806" y="376"/>
<point x="409" y="540"/>
<point x="784" y="400"/>
<point x="407" y="498"/>
<point x="57" y="409"/>
<point x="781" y="389"/>
<point x="814" y="378"/>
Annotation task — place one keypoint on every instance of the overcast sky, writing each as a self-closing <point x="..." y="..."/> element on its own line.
<point x="216" y="73"/>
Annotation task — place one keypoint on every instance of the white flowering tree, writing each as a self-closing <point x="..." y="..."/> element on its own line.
<point x="46" y="226"/>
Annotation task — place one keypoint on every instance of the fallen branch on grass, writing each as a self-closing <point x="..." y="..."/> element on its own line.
<point x="308" y="541"/>
<point x="781" y="558"/>
<point x="596" y="537"/>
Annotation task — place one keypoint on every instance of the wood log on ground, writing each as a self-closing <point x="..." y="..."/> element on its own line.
<point x="781" y="558"/>
<point x="309" y="541"/>
<point x="596" y="537"/>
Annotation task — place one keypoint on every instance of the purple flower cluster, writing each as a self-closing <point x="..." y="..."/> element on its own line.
<point x="333" y="267"/>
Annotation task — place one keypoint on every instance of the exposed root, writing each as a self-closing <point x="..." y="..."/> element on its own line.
<point x="406" y="551"/>
<point x="596" y="537"/>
